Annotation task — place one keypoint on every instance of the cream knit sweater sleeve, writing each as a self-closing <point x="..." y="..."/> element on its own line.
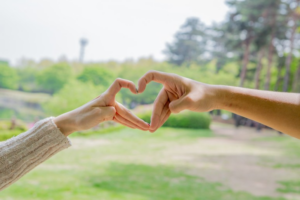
<point x="22" y="153"/>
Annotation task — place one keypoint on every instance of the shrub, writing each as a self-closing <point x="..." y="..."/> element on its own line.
<point x="185" y="119"/>
<point x="6" y="133"/>
<point x="5" y="125"/>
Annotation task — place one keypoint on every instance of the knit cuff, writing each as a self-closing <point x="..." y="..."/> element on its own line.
<point x="24" y="152"/>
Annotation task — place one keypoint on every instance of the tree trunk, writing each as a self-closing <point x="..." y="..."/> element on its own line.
<point x="296" y="84"/>
<point x="289" y="58"/>
<point x="258" y="68"/>
<point x="270" y="60"/>
<point x="279" y="79"/>
<point x="245" y="62"/>
<point x="288" y="62"/>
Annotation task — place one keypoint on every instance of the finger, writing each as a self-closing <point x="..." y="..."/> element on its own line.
<point x="159" y="103"/>
<point x="127" y="122"/>
<point x="159" y="77"/>
<point x="126" y="114"/>
<point x="165" y="112"/>
<point x="163" y="120"/>
<point x="120" y="122"/>
<point x="118" y="84"/>
<point x="179" y="105"/>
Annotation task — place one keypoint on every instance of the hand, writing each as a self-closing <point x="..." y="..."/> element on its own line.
<point x="102" y="108"/>
<point x="178" y="94"/>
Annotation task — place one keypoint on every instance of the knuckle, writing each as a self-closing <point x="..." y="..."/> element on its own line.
<point x="151" y="71"/>
<point x="118" y="80"/>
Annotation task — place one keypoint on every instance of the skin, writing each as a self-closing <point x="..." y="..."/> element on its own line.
<point x="103" y="108"/>
<point x="278" y="110"/>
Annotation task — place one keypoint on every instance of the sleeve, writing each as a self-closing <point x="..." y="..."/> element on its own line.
<point x="22" y="153"/>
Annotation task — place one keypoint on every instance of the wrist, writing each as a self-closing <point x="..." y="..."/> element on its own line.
<point x="219" y="93"/>
<point x="65" y="124"/>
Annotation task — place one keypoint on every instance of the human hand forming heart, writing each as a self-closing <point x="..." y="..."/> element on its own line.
<point x="179" y="93"/>
<point x="102" y="108"/>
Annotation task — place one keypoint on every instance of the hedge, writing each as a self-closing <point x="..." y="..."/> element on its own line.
<point x="184" y="119"/>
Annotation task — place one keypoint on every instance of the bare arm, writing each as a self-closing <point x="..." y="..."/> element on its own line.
<point x="278" y="110"/>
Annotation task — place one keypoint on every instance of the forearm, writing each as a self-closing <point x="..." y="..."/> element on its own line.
<point x="278" y="110"/>
<point x="65" y="123"/>
<point x="21" y="154"/>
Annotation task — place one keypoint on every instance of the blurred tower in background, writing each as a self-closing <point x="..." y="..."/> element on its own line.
<point x="83" y="42"/>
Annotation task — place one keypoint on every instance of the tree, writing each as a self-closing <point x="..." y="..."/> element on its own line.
<point x="224" y="45"/>
<point x="8" y="77"/>
<point x="245" y="21"/>
<point x="71" y="96"/>
<point x="272" y="23"/>
<point x="52" y="79"/>
<point x="189" y="45"/>
<point x="258" y="68"/>
<point x="27" y="79"/>
<point x="294" y="14"/>
<point x="96" y="75"/>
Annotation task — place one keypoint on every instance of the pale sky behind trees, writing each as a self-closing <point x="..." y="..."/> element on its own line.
<point x="116" y="29"/>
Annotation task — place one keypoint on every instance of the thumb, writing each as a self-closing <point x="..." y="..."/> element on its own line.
<point x="178" y="105"/>
<point x="108" y="113"/>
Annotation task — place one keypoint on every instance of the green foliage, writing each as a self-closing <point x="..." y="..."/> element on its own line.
<point x="8" y="77"/>
<point x="97" y="75"/>
<point x="147" y="97"/>
<point x="27" y="79"/>
<point x="6" y="133"/>
<point x="184" y="119"/>
<point x="52" y="79"/>
<point x="189" y="44"/>
<point x="6" y="125"/>
<point x="71" y="96"/>
<point x="189" y="120"/>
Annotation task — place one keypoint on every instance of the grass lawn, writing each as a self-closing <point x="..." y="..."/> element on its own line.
<point x="125" y="164"/>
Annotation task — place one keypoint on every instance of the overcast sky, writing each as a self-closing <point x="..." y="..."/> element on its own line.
<point x="116" y="29"/>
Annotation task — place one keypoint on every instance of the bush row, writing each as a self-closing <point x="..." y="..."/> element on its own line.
<point x="184" y="119"/>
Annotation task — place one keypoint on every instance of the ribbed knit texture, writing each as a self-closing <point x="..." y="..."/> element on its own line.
<point x="22" y="153"/>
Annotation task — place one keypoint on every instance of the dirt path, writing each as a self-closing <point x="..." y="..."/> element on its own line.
<point x="234" y="159"/>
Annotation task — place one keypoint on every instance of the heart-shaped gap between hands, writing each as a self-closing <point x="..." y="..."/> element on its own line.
<point x="178" y="93"/>
<point x="169" y="96"/>
<point x="122" y="115"/>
